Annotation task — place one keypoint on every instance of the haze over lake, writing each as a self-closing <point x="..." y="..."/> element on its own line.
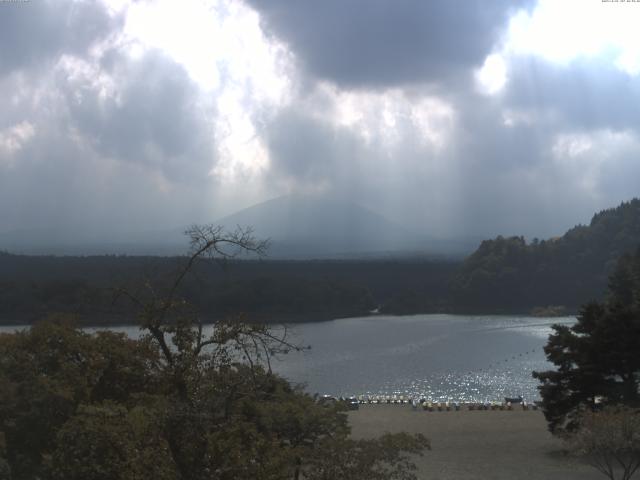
<point x="439" y="357"/>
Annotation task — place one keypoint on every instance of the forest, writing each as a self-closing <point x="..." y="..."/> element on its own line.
<point x="267" y="290"/>
<point x="512" y="275"/>
<point x="504" y="275"/>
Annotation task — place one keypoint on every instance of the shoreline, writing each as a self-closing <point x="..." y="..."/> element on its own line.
<point x="476" y="445"/>
<point x="128" y="320"/>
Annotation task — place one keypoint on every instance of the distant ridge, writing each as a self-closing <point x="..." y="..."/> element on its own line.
<point x="323" y="226"/>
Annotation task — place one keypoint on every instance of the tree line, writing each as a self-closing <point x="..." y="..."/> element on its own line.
<point x="269" y="290"/>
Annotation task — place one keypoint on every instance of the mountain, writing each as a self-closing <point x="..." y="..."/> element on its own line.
<point x="322" y="226"/>
<point x="299" y="227"/>
<point x="511" y="274"/>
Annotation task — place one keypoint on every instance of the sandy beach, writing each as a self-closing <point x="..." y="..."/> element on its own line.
<point x="477" y="444"/>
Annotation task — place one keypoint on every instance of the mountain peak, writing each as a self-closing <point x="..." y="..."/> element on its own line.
<point x="322" y="225"/>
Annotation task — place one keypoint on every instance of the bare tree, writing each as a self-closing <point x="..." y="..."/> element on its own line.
<point x="610" y="441"/>
<point x="175" y="324"/>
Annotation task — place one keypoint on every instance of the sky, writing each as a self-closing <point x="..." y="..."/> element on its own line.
<point x="452" y="117"/>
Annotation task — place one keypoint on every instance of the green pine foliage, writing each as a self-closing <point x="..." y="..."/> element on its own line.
<point x="597" y="362"/>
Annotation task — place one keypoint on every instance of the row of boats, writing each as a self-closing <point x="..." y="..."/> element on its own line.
<point x="353" y="403"/>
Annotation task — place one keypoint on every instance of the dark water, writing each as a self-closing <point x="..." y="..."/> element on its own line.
<point x="439" y="357"/>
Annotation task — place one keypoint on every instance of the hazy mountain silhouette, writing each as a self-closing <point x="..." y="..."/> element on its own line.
<point x="325" y="226"/>
<point x="299" y="226"/>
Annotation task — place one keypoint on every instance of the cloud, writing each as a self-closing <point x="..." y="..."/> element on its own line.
<point x="147" y="111"/>
<point x="450" y="117"/>
<point x="476" y="172"/>
<point x="354" y="138"/>
<point x="13" y="138"/>
<point x="377" y="44"/>
<point x="59" y="181"/>
<point x="101" y="140"/>
<point x="106" y="132"/>
<point x="562" y="32"/>
<point x="587" y="93"/>
<point x="35" y="33"/>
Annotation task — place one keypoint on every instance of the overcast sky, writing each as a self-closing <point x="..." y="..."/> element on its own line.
<point x="454" y="117"/>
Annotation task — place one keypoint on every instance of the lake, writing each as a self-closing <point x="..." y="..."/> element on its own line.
<point x="439" y="357"/>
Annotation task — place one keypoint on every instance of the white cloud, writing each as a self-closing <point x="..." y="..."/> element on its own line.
<point x="602" y="144"/>
<point x="571" y="145"/>
<point x="88" y="78"/>
<point x="593" y="158"/>
<point x="434" y="120"/>
<point x="189" y="32"/>
<point x="388" y="118"/>
<point x="242" y="153"/>
<point x="492" y="76"/>
<point x="512" y="118"/>
<point x="217" y="42"/>
<point x="562" y="31"/>
<point x="13" y="139"/>
<point x="223" y="49"/>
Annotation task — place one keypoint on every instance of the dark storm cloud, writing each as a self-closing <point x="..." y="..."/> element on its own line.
<point x="380" y="43"/>
<point x="33" y="32"/>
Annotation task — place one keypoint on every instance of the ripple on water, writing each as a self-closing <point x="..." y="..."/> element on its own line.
<point x="437" y="357"/>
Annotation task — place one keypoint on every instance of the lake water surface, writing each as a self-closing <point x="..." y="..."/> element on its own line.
<point x="439" y="357"/>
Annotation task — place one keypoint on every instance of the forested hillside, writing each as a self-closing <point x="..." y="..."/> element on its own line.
<point x="32" y="286"/>
<point x="509" y="274"/>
